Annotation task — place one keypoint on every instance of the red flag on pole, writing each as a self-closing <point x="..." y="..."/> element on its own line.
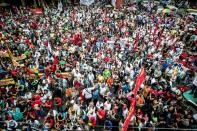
<point x="140" y="79"/>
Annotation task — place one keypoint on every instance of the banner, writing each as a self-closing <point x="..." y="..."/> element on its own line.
<point x="5" y="82"/>
<point x="140" y="79"/>
<point x="86" y="2"/>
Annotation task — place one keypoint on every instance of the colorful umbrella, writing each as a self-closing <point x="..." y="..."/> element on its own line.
<point x="166" y="11"/>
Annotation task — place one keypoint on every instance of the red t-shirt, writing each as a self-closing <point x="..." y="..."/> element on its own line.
<point x="107" y="59"/>
<point x="50" y="104"/>
<point x="53" y="68"/>
<point x="58" y="100"/>
<point x="101" y="114"/>
<point x="33" y="113"/>
<point x="14" y="73"/>
<point x="47" y="71"/>
<point x="93" y="121"/>
<point x="37" y="101"/>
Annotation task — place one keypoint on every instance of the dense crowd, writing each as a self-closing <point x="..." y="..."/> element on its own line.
<point x="77" y="67"/>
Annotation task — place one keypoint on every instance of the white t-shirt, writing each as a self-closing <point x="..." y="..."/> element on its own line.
<point x="99" y="104"/>
<point x="87" y="92"/>
<point x="103" y="90"/>
<point x="107" y="106"/>
<point x="124" y="113"/>
<point x="91" y="76"/>
<point x="77" y="76"/>
<point x="28" y="95"/>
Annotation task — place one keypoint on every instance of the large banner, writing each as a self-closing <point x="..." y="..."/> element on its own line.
<point x="86" y="2"/>
<point x="140" y="79"/>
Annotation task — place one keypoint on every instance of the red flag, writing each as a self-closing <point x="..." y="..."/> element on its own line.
<point x="130" y="113"/>
<point x="140" y="79"/>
